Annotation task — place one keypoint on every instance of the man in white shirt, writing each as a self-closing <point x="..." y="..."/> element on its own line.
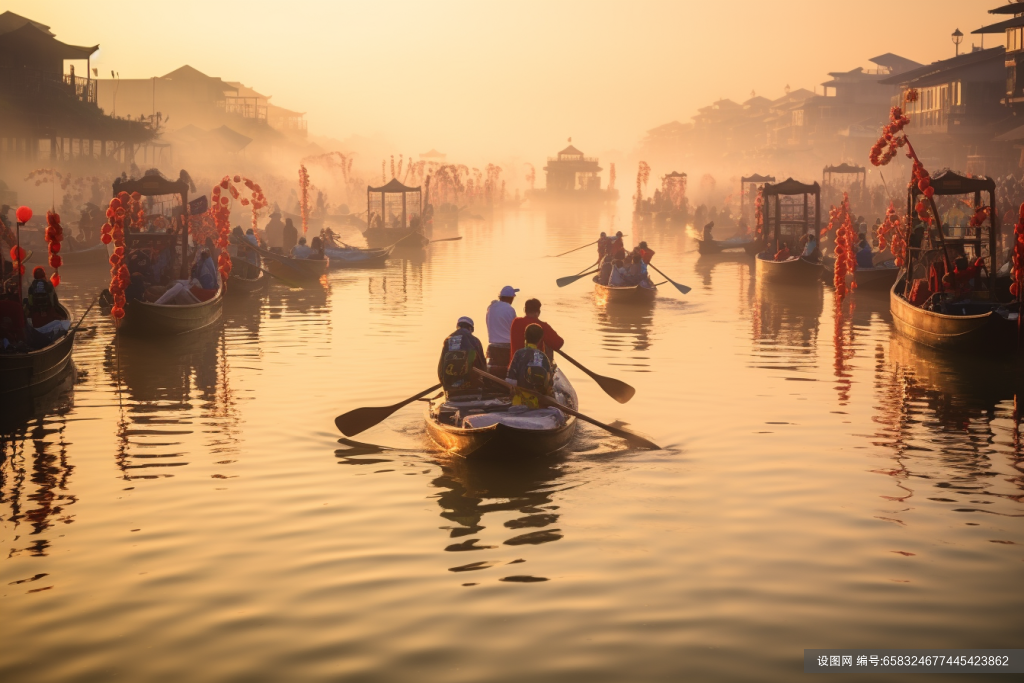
<point x="500" y="315"/>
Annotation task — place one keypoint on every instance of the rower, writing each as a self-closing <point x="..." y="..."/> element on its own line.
<point x="603" y="242"/>
<point x="500" y="315"/>
<point x="617" y="249"/>
<point x="460" y="354"/>
<point x="550" y="343"/>
<point x="605" y="275"/>
<point x="530" y="369"/>
<point x="290" y="236"/>
<point x="275" y="231"/>
<point x="707" y="232"/>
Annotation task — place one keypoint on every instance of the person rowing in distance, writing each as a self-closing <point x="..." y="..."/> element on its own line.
<point x="603" y="243"/>
<point x="500" y="316"/>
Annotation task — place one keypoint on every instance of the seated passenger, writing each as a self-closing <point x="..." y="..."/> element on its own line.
<point x="205" y="271"/>
<point x="12" y="319"/>
<point x="136" y="290"/>
<point x="634" y="271"/>
<point x="460" y="353"/>
<point x="317" y="249"/>
<point x="865" y="257"/>
<point x="810" y="242"/>
<point x="138" y="261"/>
<point x="42" y="299"/>
<point x="604" y="276"/>
<point x="300" y="250"/>
<point x="783" y="253"/>
<point x="619" y="276"/>
<point x="530" y="369"/>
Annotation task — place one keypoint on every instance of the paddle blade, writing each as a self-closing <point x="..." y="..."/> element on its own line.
<point x="637" y="440"/>
<point x="682" y="288"/>
<point x="569" y="279"/>
<point x="617" y="389"/>
<point x="359" y="420"/>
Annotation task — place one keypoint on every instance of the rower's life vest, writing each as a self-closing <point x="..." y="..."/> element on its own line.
<point x="40" y="295"/>
<point x="538" y="372"/>
<point x="457" y="362"/>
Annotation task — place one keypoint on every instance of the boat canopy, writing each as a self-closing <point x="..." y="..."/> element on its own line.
<point x="394" y="204"/>
<point x="787" y="218"/>
<point x="156" y="185"/>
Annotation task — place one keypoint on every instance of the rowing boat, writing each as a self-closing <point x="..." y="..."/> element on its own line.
<point x="488" y="426"/>
<point x="243" y="286"/>
<point x="878" y="279"/>
<point x="145" y="318"/>
<point x="358" y="258"/>
<point x="981" y="327"/>
<point x="625" y="295"/>
<point x="40" y="369"/>
<point x="747" y="244"/>
<point x="403" y="237"/>
<point x="306" y="269"/>
<point x="792" y="271"/>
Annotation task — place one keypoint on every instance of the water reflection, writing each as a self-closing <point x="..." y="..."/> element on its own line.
<point x="785" y="322"/>
<point x="952" y="426"/>
<point x="519" y="496"/>
<point x="626" y="328"/>
<point x="164" y="388"/>
<point x="738" y="262"/>
<point x="34" y="466"/>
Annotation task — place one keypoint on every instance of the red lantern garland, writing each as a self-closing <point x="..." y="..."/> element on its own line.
<point x="221" y="213"/>
<point x="304" y="196"/>
<point x="113" y="230"/>
<point x="891" y="234"/>
<point x="759" y="213"/>
<point x="54" y="235"/>
<point x="643" y="174"/>
<point x="845" y="247"/>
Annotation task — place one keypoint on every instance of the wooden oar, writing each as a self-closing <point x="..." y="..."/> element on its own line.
<point x="447" y="239"/>
<point x="572" y="250"/>
<point x="617" y="389"/>
<point x="563" y="281"/>
<point x="634" y="439"/>
<point x="82" y="319"/>
<point x="359" y="420"/>
<point x="682" y="288"/>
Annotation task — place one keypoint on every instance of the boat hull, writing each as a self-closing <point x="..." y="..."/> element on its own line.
<point x="877" y="279"/>
<point x="148" y="319"/>
<point x="709" y="247"/>
<point x="240" y="286"/>
<point x="298" y="268"/>
<point x="369" y="258"/>
<point x="36" y="370"/>
<point x="981" y="334"/>
<point x="792" y="272"/>
<point x="386" y="237"/>
<point x="501" y="441"/>
<point x="625" y="295"/>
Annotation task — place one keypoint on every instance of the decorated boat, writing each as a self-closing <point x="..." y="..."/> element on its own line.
<point x="135" y="229"/>
<point x="743" y="243"/>
<point x="625" y="295"/>
<point x="39" y="370"/>
<point x="878" y="279"/>
<point x="353" y="257"/>
<point x="489" y="426"/>
<point x="394" y="216"/>
<point x="787" y="217"/>
<point x="964" y="310"/>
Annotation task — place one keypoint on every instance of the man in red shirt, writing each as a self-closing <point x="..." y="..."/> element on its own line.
<point x="549" y="343"/>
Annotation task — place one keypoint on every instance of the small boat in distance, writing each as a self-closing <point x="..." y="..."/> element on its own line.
<point x="786" y="220"/>
<point x="624" y="295"/>
<point x="489" y="426"/>
<point x="243" y="286"/>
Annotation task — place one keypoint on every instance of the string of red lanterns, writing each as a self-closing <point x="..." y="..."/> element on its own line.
<point x="54" y="235"/>
<point x="304" y="195"/>
<point x="891" y="234"/>
<point x="221" y="213"/>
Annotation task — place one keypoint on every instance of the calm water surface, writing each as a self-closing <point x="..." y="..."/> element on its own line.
<point x="183" y="511"/>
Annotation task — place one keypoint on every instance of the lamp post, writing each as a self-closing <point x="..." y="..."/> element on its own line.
<point x="957" y="39"/>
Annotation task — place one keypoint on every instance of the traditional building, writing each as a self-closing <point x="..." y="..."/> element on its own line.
<point x="571" y="171"/>
<point x="50" y="112"/>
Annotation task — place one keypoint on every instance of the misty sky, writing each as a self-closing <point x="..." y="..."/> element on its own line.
<point x="476" y="79"/>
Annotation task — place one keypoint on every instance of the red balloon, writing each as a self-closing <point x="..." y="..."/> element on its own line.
<point x="24" y="214"/>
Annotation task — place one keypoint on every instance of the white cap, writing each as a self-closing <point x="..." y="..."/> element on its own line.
<point x="466" y="320"/>
<point x="507" y="290"/>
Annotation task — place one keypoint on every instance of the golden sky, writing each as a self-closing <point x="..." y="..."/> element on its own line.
<point x="476" y="79"/>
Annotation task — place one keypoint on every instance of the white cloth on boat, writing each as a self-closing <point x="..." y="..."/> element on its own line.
<point x="301" y="251"/>
<point x="178" y="295"/>
<point x="54" y="326"/>
<point x="539" y="419"/>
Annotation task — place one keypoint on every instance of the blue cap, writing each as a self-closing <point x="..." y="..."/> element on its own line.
<point x="507" y="290"/>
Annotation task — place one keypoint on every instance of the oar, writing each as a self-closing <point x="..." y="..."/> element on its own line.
<point x="82" y="319"/>
<point x="563" y="281"/>
<point x="576" y="249"/>
<point x="447" y="239"/>
<point x="682" y="288"/>
<point x="617" y="389"/>
<point x="359" y="420"/>
<point x="634" y="439"/>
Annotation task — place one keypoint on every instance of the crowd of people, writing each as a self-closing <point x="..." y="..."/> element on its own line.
<point x="619" y="268"/>
<point x="520" y="349"/>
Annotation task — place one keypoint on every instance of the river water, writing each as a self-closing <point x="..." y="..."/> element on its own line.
<point x="182" y="510"/>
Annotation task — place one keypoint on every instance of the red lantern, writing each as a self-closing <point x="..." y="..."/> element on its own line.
<point x="55" y="280"/>
<point x="24" y="214"/>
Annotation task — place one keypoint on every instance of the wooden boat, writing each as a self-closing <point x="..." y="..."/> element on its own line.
<point x="394" y="213"/>
<point x="406" y="238"/>
<point x="979" y="326"/>
<point x="976" y="318"/>
<point x="37" y="370"/>
<point x="358" y="258"/>
<point x="487" y="428"/>
<point x="145" y="318"/>
<point x="301" y="269"/>
<point x="878" y="279"/>
<point x="624" y="295"/>
<point x="242" y="286"/>
<point x="792" y="271"/>
<point x="746" y="243"/>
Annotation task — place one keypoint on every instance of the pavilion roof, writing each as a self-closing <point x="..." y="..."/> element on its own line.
<point x="394" y="186"/>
